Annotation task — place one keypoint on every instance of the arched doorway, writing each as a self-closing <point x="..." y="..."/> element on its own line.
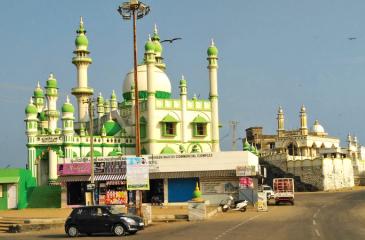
<point x="292" y="149"/>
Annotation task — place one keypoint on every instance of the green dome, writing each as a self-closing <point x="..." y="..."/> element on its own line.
<point x="68" y="108"/>
<point x="51" y="82"/>
<point x="149" y="46"/>
<point x="31" y="109"/>
<point x="158" y="47"/>
<point x="81" y="40"/>
<point x="42" y="116"/>
<point x="38" y="92"/>
<point x="212" y="51"/>
<point x="111" y="127"/>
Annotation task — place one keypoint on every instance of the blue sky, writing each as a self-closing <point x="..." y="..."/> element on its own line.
<point x="271" y="53"/>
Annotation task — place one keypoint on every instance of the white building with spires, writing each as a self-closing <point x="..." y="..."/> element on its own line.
<point x="168" y="125"/>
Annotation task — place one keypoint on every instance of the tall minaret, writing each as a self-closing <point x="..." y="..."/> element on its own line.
<point x="100" y="107"/>
<point x="68" y="126"/>
<point x="158" y="50"/>
<point x="82" y="60"/>
<point x="183" y="98"/>
<point x="38" y="98"/>
<point x="303" y="121"/>
<point x="150" y="59"/>
<point x="31" y="121"/>
<point x="280" y="119"/>
<point x="213" y="95"/>
<point x="52" y="96"/>
<point x="113" y="101"/>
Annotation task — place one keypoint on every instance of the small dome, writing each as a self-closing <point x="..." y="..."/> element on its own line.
<point x="43" y="116"/>
<point x="31" y="108"/>
<point x="157" y="47"/>
<point x="113" y="96"/>
<point x="51" y="82"/>
<point x="246" y="146"/>
<point x="38" y="92"/>
<point x="212" y="50"/>
<point x="111" y="127"/>
<point x="81" y="40"/>
<point x="162" y="82"/>
<point x="149" y="46"/>
<point x="317" y="128"/>
<point x="67" y="107"/>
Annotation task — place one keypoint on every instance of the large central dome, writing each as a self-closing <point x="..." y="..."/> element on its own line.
<point x="162" y="83"/>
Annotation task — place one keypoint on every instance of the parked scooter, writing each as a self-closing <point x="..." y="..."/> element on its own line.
<point x="228" y="203"/>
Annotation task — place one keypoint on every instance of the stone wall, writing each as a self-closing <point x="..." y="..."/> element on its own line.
<point x="315" y="174"/>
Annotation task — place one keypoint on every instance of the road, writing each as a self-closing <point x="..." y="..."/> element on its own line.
<point x="339" y="215"/>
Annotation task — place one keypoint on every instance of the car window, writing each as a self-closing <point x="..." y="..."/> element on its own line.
<point x="99" y="212"/>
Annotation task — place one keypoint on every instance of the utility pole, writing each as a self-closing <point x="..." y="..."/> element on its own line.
<point x="90" y="103"/>
<point x="233" y="125"/>
<point x="134" y="10"/>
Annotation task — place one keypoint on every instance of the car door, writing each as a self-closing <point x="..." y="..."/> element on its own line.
<point x="82" y="219"/>
<point x="98" y="221"/>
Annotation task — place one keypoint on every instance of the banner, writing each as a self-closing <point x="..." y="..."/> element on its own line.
<point x="245" y="171"/>
<point x="137" y="173"/>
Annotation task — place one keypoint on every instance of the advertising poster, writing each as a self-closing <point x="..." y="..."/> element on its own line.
<point x="137" y="173"/>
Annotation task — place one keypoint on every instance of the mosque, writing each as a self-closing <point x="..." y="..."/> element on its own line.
<point x="167" y="125"/>
<point x="310" y="154"/>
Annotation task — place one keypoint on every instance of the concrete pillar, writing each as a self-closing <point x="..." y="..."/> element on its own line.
<point x="52" y="177"/>
<point x="165" y="191"/>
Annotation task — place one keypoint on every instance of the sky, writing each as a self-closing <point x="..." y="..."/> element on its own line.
<point x="271" y="53"/>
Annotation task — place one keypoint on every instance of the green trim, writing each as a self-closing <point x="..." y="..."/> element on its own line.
<point x="167" y="150"/>
<point x="144" y="94"/>
<point x="169" y="119"/>
<point x="9" y="179"/>
<point x="83" y="90"/>
<point x="199" y="119"/>
<point x="96" y="154"/>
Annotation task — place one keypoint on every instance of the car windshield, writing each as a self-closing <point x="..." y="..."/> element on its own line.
<point x="114" y="210"/>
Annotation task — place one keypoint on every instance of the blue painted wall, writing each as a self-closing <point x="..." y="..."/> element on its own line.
<point x="181" y="190"/>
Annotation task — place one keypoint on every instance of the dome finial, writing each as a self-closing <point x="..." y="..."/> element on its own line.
<point x="67" y="99"/>
<point x="149" y="38"/>
<point x="31" y="100"/>
<point x="81" y="22"/>
<point x="38" y="85"/>
<point x="212" y="42"/>
<point x="51" y="76"/>
<point x="182" y="77"/>
<point x="280" y="109"/>
<point x="100" y="94"/>
<point x="155" y="29"/>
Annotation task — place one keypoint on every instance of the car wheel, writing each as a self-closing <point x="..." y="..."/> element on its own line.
<point x="119" y="230"/>
<point x="72" y="231"/>
<point x="243" y="209"/>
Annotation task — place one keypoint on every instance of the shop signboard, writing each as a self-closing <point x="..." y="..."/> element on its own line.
<point x="114" y="167"/>
<point x="245" y="171"/>
<point x="245" y="182"/>
<point x="82" y="168"/>
<point x="137" y="173"/>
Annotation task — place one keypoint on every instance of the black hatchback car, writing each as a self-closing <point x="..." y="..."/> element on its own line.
<point x="101" y="219"/>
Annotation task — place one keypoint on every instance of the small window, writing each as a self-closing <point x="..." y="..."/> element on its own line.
<point x="169" y="129"/>
<point x="200" y="129"/>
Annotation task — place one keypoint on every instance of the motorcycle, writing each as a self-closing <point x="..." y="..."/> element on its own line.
<point x="228" y="203"/>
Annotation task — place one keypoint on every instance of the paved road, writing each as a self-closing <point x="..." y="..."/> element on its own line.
<point x="315" y="216"/>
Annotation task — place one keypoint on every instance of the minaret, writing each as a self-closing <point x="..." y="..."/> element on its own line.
<point x="150" y="59"/>
<point x="213" y="95"/>
<point x="113" y="101"/>
<point x="183" y="98"/>
<point x="68" y="126"/>
<point x="82" y="60"/>
<point x="303" y="121"/>
<point x="31" y="122"/>
<point x="52" y="96"/>
<point x="100" y="109"/>
<point x="158" y="50"/>
<point x="280" y="119"/>
<point x="38" y="98"/>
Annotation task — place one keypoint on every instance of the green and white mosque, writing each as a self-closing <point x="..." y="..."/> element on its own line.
<point x="167" y="125"/>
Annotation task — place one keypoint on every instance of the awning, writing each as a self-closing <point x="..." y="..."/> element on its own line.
<point x="110" y="177"/>
<point x="73" y="179"/>
<point x="9" y="179"/>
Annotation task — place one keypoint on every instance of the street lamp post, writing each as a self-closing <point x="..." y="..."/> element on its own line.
<point x="136" y="10"/>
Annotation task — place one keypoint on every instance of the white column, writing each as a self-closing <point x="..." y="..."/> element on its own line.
<point x="165" y="191"/>
<point x="52" y="166"/>
<point x="151" y="102"/>
<point x="214" y="107"/>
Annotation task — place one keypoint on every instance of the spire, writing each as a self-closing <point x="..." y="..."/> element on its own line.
<point x="67" y="99"/>
<point x="81" y="29"/>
